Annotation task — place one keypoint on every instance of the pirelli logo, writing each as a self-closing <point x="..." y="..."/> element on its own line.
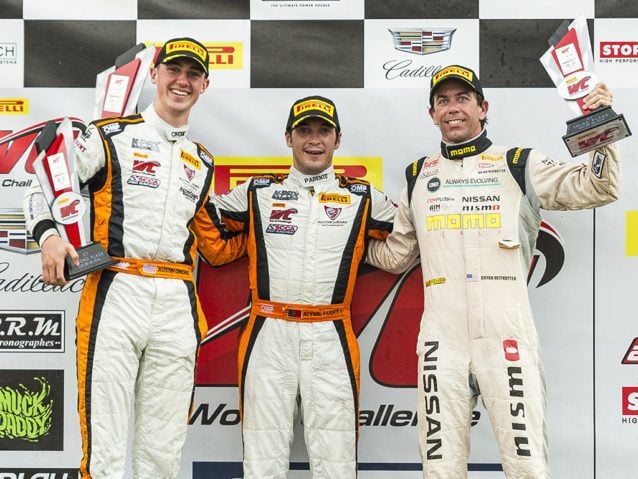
<point x="632" y="233"/>
<point x="452" y="71"/>
<point x="226" y="56"/>
<point x="180" y="45"/>
<point x="314" y="105"/>
<point x="191" y="160"/>
<point x="14" y="106"/>
<point x="334" y="198"/>
<point x="231" y="171"/>
<point x="462" y="151"/>
<point x="433" y="281"/>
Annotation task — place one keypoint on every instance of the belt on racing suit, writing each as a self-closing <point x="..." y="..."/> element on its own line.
<point x="154" y="269"/>
<point x="300" y="312"/>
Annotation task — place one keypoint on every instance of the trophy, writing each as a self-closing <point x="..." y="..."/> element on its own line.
<point x="118" y="88"/>
<point x="60" y="185"/>
<point x="570" y="64"/>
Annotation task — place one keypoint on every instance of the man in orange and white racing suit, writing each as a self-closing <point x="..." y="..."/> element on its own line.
<point x="472" y="211"/>
<point x="308" y="232"/>
<point x="139" y="322"/>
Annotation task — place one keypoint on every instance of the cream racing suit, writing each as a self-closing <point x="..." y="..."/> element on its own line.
<point x="307" y="236"/>
<point x="473" y="213"/>
<point x="139" y="323"/>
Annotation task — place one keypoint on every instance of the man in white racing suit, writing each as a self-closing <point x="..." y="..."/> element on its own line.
<point x="139" y="322"/>
<point x="472" y="211"/>
<point x="307" y="232"/>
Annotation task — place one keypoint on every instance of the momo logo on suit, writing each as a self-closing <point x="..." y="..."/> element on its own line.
<point x="31" y="410"/>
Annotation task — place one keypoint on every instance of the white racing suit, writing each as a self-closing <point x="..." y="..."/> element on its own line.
<point x="139" y="323"/>
<point x="474" y="219"/>
<point x="307" y="236"/>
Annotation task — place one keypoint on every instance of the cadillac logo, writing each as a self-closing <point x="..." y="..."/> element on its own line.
<point x="422" y="41"/>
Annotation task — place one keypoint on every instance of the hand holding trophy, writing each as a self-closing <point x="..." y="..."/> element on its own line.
<point x="61" y="189"/>
<point x="570" y="64"/>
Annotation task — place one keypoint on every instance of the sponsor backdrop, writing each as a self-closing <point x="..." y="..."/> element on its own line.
<point x="375" y="60"/>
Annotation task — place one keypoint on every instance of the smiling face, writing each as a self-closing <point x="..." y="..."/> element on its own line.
<point x="313" y="143"/>
<point x="179" y="84"/>
<point x="457" y="111"/>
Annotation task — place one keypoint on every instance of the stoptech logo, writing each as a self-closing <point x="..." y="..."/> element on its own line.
<point x="8" y="53"/>
<point x="226" y="56"/>
<point x="631" y="356"/>
<point x="618" y="50"/>
<point x="14" y="106"/>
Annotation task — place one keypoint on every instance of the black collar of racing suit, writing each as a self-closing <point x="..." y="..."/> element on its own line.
<point x="475" y="146"/>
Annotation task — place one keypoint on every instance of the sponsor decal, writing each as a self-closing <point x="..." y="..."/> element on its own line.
<point x="8" y="53"/>
<point x="303" y="106"/>
<point x="13" y="232"/>
<point x="31" y="410"/>
<point x="597" y="163"/>
<point x="189" y="172"/>
<point x="188" y="194"/>
<point x="281" y="229"/>
<point x="38" y="473"/>
<point x="111" y="128"/>
<point x="146" y="167"/>
<point x="261" y="181"/>
<point x="190" y="159"/>
<point x="433" y="431"/>
<point x="285" y="195"/>
<point x="358" y="188"/>
<point x="422" y="41"/>
<point x="630" y="402"/>
<point x="434" y="184"/>
<point x="463" y="221"/>
<point x="14" y="106"/>
<point x="433" y="281"/>
<point x="31" y="331"/>
<point x="577" y="85"/>
<point x="517" y="410"/>
<point x="332" y="212"/>
<point x="139" y="143"/>
<point x="178" y="134"/>
<point x="597" y="139"/>
<point x="138" y="180"/>
<point x="462" y="151"/>
<point x="334" y="198"/>
<point x="510" y="348"/>
<point x="491" y="277"/>
<point x="631" y="356"/>
<point x="204" y="156"/>
<point x="452" y="70"/>
<point x="226" y="56"/>
<point x="185" y="45"/>
<point x="314" y="179"/>
<point x="456" y="182"/>
<point x="618" y="51"/>
<point x="283" y="215"/>
<point x="631" y="233"/>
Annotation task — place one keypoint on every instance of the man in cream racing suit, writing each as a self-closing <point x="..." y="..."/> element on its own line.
<point x="139" y="322"/>
<point x="308" y="232"/>
<point x="473" y="213"/>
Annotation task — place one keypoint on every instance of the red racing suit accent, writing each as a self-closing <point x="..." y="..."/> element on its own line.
<point x="307" y="236"/>
<point x="474" y="220"/>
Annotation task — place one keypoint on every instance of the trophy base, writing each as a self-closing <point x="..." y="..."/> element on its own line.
<point x="601" y="127"/>
<point x="92" y="258"/>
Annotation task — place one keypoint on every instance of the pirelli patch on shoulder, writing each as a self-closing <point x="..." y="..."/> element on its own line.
<point x="598" y="163"/>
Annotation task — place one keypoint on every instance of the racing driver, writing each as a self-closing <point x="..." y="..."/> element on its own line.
<point x="139" y="322"/>
<point x="308" y="232"/>
<point x="473" y="213"/>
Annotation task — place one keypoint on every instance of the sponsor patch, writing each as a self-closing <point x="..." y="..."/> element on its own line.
<point x="189" y="195"/>
<point x="111" y="128"/>
<point x="358" y="188"/>
<point x="598" y="163"/>
<point x="332" y="212"/>
<point x="281" y="229"/>
<point x="142" y="144"/>
<point x="433" y="281"/>
<point x="510" y="349"/>
<point x="140" y="180"/>
<point x="284" y="195"/>
<point x="190" y="159"/>
<point x="334" y="198"/>
<point x="261" y="181"/>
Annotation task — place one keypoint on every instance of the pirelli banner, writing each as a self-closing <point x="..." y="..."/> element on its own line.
<point x="581" y="281"/>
